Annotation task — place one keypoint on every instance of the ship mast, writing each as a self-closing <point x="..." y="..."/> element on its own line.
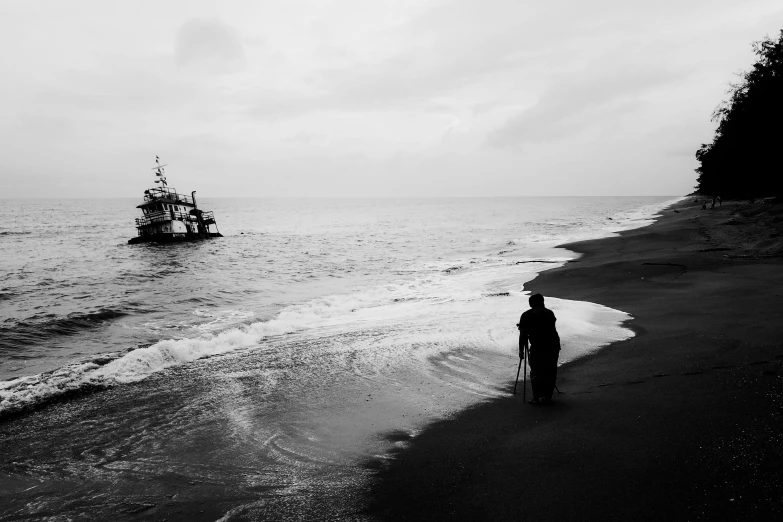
<point x="160" y="172"/>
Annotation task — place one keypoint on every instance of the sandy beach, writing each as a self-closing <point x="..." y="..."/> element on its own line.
<point x="681" y="422"/>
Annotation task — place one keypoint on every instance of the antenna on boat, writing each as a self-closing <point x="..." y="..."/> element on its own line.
<point x="160" y="172"/>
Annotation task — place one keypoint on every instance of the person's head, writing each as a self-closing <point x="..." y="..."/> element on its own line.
<point x="536" y="300"/>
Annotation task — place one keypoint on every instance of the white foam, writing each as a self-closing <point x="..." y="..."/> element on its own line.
<point x="640" y="217"/>
<point x="606" y="226"/>
<point x="31" y="389"/>
<point x="585" y="327"/>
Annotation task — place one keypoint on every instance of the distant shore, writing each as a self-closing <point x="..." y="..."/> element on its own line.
<point x="681" y="422"/>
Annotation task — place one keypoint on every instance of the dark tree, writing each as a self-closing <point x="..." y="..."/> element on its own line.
<point x="745" y="158"/>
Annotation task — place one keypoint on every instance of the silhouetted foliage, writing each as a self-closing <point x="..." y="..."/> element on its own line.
<point x="744" y="158"/>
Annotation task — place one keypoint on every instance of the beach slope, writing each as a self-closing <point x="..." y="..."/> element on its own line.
<point x="681" y="422"/>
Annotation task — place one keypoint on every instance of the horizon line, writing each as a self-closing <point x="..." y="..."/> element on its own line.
<point x="371" y="197"/>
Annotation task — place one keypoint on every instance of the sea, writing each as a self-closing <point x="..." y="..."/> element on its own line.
<point x="271" y="372"/>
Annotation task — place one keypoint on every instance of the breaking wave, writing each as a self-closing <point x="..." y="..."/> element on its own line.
<point x="135" y="365"/>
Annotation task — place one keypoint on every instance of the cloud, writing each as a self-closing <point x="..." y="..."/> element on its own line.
<point x="209" y="45"/>
<point x="449" y="47"/>
<point x="302" y="137"/>
<point x="578" y="100"/>
<point x="436" y="54"/>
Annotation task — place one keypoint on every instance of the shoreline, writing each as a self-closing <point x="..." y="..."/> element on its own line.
<point x="681" y="421"/>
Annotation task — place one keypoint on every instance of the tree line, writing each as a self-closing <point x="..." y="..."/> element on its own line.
<point x="745" y="158"/>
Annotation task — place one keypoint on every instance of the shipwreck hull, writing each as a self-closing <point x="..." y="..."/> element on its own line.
<point x="172" y="238"/>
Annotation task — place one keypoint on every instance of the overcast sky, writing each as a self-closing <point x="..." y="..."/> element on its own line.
<point x="366" y="97"/>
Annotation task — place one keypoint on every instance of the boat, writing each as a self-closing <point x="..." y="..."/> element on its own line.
<point x="170" y="216"/>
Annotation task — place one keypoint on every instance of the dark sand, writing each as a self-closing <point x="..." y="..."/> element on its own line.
<point x="681" y="422"/>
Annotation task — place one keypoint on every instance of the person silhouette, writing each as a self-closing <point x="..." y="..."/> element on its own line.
<point x="537" y="326"/>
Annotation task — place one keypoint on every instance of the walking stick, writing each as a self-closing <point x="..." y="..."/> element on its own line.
<point x="524" y="376"/>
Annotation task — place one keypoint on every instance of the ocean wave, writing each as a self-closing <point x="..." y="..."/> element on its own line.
<point x="14" y="233"/>
<point x="597" y="227"/>
<point x="110" y="369"/>
<point x="25" y="333"/>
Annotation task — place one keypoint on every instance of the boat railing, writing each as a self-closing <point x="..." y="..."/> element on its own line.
<point x="164" y="215"/>
<point x="154" y="194"/>
<point x="208" y="217"/>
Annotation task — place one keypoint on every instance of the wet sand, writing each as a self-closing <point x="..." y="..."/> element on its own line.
<point x="683" y="421"/>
